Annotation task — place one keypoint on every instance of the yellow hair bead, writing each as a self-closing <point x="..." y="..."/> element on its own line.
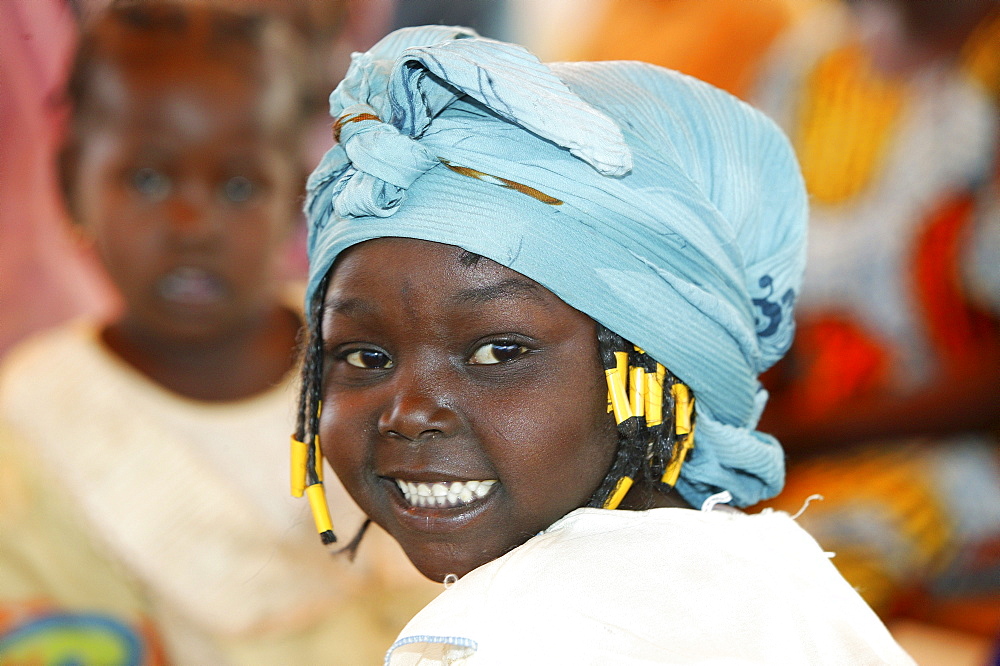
<point x="320" y="512"/>
<point x="684" y="427"/>
<point x="621" y="362"/>
<point x="683" y="406"/>
<point x="621" y="489"/>
<point x="616" y="387"/>
<point x="673" y="471"/>
<point x="637" y="390"/>
<point x="300" y="455"/>
<point x="654" y="396"/>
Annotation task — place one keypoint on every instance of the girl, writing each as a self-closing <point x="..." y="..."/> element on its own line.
<point x="538" y="294"/>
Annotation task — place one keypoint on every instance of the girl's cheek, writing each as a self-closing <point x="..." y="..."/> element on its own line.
<point x="345" y="430"/>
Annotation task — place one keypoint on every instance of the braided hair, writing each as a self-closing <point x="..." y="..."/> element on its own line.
<point x="646" y="446"/>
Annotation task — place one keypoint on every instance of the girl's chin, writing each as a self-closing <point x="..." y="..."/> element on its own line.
<point x="439" y="571"/>
<point x="441" y="562"/>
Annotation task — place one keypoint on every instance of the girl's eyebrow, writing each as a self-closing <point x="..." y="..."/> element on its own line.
<point x="347" y="306"/>
<point x="511" y="287"/>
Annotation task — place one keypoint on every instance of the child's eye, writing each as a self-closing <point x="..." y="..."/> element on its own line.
<point x="369" y="358"/>
<point x="151" y="184"/>
<point x="238" y="189"/>
<point x="497" y="352"/>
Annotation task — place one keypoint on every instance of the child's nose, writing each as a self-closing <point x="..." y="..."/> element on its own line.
<point x="418" y="413"/>
<point x="191" y="218"/>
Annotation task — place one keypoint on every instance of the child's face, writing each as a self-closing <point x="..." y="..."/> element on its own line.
<point x="440" y="375"/>
<point x="187" y="187"/>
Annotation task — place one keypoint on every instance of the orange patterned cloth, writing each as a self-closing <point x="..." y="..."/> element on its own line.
<point x="899" y="173"/>
<point x="719" y="41"/>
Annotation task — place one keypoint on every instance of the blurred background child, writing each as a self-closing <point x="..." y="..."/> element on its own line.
<point x="144" y="511"/>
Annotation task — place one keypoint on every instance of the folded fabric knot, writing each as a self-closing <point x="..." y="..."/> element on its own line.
<point x="349" y="118"/>
<point x="389" y="97"/>
<point x="384" y="163"/>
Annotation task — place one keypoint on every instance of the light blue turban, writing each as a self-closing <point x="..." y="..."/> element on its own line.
<point x="667" y="210"/>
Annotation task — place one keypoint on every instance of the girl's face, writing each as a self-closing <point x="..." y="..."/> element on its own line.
<point x="464" y="405"/>
<point x="186" y="183"/>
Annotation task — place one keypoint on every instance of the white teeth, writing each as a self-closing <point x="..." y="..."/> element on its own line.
<point x="443" y="493"/>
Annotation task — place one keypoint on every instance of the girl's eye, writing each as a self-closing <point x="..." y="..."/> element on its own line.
<point x="497" y="352"/>
<point x="238" y="189"/>
<point x="151" y="184"/>
<point x="369" y="359"/>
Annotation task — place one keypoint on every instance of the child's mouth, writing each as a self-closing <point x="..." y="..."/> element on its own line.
<point x="191" y="286"/>
<point x="444" y="494"/>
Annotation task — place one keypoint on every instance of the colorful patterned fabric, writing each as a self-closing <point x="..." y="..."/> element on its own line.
<point x="721" y="42"/>
<point x="665" y="209"/>
<point x="899" y="171"/>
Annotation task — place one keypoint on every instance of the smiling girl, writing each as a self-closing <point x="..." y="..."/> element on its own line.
<point x="539" y="300"/>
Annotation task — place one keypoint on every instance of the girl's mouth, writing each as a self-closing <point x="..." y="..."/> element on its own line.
<point x="444" y="494"/>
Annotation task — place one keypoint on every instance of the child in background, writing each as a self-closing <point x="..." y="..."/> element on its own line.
<point x="541" y="293"/>
<point x="140" y="510"/>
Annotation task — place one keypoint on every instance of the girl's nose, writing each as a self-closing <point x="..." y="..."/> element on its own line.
<point x="418" y="413"/>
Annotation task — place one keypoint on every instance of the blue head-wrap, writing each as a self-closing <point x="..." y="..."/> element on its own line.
<point x="667" y="210"/>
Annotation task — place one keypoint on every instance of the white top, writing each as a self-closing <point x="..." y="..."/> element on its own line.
<point x="666" y="586"/>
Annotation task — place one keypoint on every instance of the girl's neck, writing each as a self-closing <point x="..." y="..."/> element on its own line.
<point x="248" y="361"/>
<point x="642" y="497"/>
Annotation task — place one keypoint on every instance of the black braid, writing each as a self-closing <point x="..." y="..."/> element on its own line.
<point x="311" y="393"/>
<point x="631" y="449"/>
<point x="644" y="452"/>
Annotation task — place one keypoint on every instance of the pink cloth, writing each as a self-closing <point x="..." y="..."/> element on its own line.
<point x="44" y="278"/>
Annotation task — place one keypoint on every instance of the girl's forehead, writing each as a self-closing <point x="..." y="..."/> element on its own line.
<point x="392" y="266"/>
<point x="385" y="255"/>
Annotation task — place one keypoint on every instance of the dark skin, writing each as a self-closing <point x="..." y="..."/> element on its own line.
<point x="182" y="173"/>
<point x="441" y="372"/>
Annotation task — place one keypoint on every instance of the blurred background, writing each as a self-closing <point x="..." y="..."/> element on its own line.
<point x="888" y="405"/>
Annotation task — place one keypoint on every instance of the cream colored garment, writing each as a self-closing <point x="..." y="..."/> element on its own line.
<point x="666" y="586"/>
<point x="191" y="501"/>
